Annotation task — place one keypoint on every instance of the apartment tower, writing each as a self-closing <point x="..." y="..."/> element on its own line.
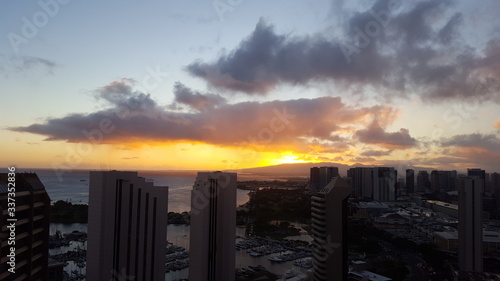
<point x="384" y="184"/>
<point x="470" y="223"/>
<point x="213" y="227"/>
<point x="127" y="228"/>
<point x="31" y="227"/>
<point x="329" y="231"/>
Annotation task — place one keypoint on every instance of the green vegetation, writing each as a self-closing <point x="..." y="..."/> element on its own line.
<point x="280" y="204"/>
<point x="176" y="218"/>
<point x="270" y="205"/>
<point x="65" y="212"/>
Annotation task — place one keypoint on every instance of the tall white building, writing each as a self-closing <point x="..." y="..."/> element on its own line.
<point x="127" y="228"/>
<point x="470" y="223"/>
<point x="329" y="231"/>
<point x="213" y="227"/>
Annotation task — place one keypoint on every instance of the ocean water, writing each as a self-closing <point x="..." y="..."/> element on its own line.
<point x="73" y="186"/>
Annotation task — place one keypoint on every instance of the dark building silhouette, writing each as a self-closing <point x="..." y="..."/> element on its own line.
<point x="479" y="174"/>
<point x="320" y="177"/>
<point x="361" y="181"/>
<point x="384" y="184"/>
<point x="495" y="186"/>
<point x="31" y="228"/>
<point x="443" y="181"/>
<point x="329" y="231"/>
<point x="470" y="223"/>
<point x="314" y="179"/>
<point x="423" y="181"/>
<point x="410" y="181"/>
<point x="326" y="174"/>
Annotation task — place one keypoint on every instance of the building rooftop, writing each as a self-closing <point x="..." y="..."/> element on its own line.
<point x="443" y="204"/>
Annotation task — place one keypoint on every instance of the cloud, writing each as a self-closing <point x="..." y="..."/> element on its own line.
<point x="28" y="62"/>
<point x="497" y="124"/>
<point x="134" y="117"/>
<point x="376" y="153"/>
<point x="196" y="100"/>
<point x="130" y="158"/>
<point x="375" y="134"/>
<point x="489" y="142"/>
<point x="22" y="64"/>
<point x="418" y="48"/>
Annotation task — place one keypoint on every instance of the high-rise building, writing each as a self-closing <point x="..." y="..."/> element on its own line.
<point x="127" y="227"/>
<point x="24" y="229"/>
<point x="384" y="184"/>
<point x="329" y="231"/>
<point x="213" y="227"/>
<point x="314" y="179"/>
<point x="470" y="223"/>
<point x="362" y="181"/>
<point x="495" y="181"/>
<point x="495" y="186"/>
<point x="443" y="180"/>
<point x="326" y="174"/>
<point x="410" y="181"/>
<point x="476" y="173"/>
<point x="488" y="188"/>
<point x="423" y="181"/>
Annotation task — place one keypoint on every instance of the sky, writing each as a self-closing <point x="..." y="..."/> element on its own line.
<point x="233" y="84"/>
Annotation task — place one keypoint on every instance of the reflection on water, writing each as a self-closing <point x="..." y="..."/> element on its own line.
<point x="73" y="186"/>
<point x="179" y="235"/>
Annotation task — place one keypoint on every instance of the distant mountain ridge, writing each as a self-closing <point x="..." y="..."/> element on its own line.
<point x="292" y="169"/>
<point x="303" y="169"/>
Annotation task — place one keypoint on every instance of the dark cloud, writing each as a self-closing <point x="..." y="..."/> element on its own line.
<point x="135" y="117"/>
<point x="490" y="142"/>
<point x="375" y="134"/>
<point x="418" y="48"/>
<point x="196" y="100"/>
<point x="377" y="153"/>
<point x="450" y="31"/>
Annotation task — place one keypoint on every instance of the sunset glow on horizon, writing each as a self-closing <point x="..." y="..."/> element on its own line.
<point x="185" y="86"/>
